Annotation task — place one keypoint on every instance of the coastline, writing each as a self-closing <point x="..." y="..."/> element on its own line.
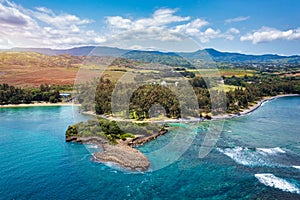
<point x="125" y="155"/>
<point x="252" y="108"/>
<point x="38" y="105"/>
<point x="194" y="119"/>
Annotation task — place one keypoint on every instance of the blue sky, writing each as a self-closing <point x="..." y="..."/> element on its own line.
<point x="254" y="27"/>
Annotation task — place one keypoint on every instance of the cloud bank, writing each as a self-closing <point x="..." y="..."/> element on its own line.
<point x="42" y="27"/>
<point x="267" y="34"/>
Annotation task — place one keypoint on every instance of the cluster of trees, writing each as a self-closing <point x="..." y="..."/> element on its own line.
<point x="254" y="88"/>
<point x="100" y="127"/>
<point x="15" y="95"/>
<point x="110" y="129"/>
<point x="153" y="94"/>
<point x="141" y="99"/>
<point x="249" y="90"/>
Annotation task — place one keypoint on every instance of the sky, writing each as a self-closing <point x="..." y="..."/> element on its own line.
<point x="251" y="27"/>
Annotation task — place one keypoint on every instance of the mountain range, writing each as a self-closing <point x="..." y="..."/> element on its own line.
<point x="210" y="54"/>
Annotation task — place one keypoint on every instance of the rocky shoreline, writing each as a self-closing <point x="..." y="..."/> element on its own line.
<point x="123" y="153"/>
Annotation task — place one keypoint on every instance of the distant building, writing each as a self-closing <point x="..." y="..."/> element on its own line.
<point x="66" y="97"/>
<point x="163" y="83"/>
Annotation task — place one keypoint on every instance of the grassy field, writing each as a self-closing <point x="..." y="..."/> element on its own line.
<point x="225" y="88"/>
<point x="33" y="69"/>
<point x="223" y="72"/>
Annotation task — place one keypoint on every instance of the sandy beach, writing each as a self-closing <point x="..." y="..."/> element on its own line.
<point x="38" y="104"/>
<point x="193" y="119"/>
<point x="251" y="108"/>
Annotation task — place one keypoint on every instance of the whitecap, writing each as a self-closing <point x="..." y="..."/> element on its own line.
<point x="271" y="150"/>
<point x="250" y="157"/>
<point x="239" y="155"/>
<point x="276" y="182"/>
<point x="296" y="167"/>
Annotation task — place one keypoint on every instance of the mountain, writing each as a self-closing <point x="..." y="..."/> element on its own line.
<point x="218" y="56"/>
<point x="77" y="51"/>
<point x="168" y="57"/>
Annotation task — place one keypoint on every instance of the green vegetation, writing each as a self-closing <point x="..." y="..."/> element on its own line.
<point x="244" y="82"/>
<point x="240" y="93"/>
<point x="254" y="88"/>
<point x="111" y="130"/>
<point x="170" y="59"/>
<point x="225" y="87"/>
<point x="14" y="95"/>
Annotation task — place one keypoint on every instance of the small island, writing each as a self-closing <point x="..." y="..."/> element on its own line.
<point x="117" y="146"/>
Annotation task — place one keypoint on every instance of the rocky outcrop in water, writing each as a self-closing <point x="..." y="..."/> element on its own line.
<point x="121" y="153"/>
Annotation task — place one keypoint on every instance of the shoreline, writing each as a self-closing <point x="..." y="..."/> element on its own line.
<point x="247" y="111"/>
<point x="122" y="154"/>
<point x="253" y="107"/>
<point x="42" y="104"/>
<point x="126" y="156"/>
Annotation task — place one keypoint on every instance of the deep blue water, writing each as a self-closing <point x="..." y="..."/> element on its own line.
<point x="256" y="156"/>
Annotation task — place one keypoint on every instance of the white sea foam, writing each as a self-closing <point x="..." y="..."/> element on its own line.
<point x="296" y="167"/>
<point x="91" y="146"/>
<point x="276" y="182"/>
<point x="263" y="103"/>
<point x="271" y="150"/>
<point x="239" y="155"/>
<point x="252" y="157"/>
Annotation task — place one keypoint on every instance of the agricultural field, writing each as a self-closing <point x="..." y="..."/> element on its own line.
<point x="28" y="69"/>
<point x="238" y="72"/>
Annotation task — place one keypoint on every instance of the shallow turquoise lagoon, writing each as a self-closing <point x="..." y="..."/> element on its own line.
<point x="256" y="156"/>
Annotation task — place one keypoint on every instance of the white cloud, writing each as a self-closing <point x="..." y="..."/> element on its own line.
<point x="59" y="20"/>
<point x="267" y="34"/>
<point x="231" y="33"/>
<point x="237" y="19"/>
<point x="119" y="22"/>
<point x="164" y="25"/>
<point x="159" y="19"/>
<point x="42" y="27"/>
<point x="11" y="16"/>
<point x="44" y="10"/>
<point x="191" y="28"/>
<point x="166" y="16"/>
<point x="4" y="41"/>
<point x="234" y="31"/>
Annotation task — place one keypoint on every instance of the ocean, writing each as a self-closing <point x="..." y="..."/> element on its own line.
<point x="256" y="156"/>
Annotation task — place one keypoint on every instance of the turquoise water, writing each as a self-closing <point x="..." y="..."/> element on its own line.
<point x="256" y="156"/>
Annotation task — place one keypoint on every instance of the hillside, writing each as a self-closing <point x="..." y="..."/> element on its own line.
<point x="148" y="56"/>
<point x="33" y="69"/>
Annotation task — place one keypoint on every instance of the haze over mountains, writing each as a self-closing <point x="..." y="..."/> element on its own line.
<point x="132" y="54"/>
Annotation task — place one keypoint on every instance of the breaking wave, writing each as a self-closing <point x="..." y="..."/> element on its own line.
<point x="276" y="182"/>
<point x="254" y="156"/>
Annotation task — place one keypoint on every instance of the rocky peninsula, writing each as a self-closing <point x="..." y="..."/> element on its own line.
<point x="122" y="152"/>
